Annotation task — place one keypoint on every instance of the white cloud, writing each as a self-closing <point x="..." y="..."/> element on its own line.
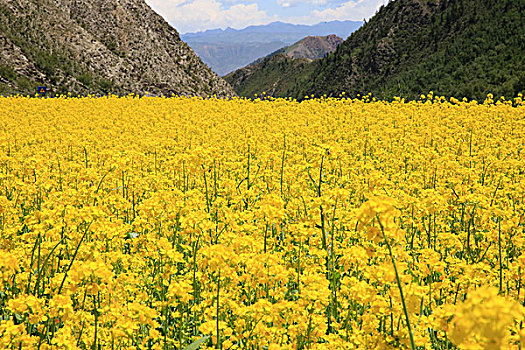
<point x="289" y="3"/>
<point x="195" y="15"/>
<point x="356" y="10"/>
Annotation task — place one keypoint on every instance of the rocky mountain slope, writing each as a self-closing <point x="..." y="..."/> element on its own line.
<point x="460" y="48"/>
<point x="230" y="49"/>
<point x="277" y="72"/>
<point x="97" y="46"/>
<point x="313" y="47"/>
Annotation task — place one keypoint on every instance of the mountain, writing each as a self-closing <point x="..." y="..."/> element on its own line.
<point x="97" y="47"/>
<point x="227" y="50"/>
<point x="460" y="48"/>
<point x="313" y="47"/>
<point x="276" y="31"/>
<point x="276" y="73"/>
<point x="227" y="57"/>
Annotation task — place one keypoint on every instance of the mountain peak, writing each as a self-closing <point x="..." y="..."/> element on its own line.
<point x="314" y="47"/>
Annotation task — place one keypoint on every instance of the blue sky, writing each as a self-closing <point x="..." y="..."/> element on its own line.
<point x="196" y="15"/>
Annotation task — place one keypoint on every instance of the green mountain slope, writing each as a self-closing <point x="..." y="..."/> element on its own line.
<point x="97" y="46"/>
<point x="460" y="48"/>
<point x="276" y="73"/>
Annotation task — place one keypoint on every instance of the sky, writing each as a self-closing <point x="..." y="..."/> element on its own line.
<point x="198" y="15"/>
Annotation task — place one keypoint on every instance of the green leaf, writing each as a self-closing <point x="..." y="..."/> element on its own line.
<point x="195" y="345"/>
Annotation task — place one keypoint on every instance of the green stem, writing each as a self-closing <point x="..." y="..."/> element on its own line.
<point x="73" y="258"/>
<point x="218" y="307"/>
<point x="500" y="260"/>
<point x="282" y="166"/>
<point x="412" y="344"/>
<point x="95" y="311"/>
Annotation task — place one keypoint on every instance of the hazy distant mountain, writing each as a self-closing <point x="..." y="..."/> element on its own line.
<point x="276" y="31"/>
<point x="227" y="57"/>
<point x="227" y="50"/>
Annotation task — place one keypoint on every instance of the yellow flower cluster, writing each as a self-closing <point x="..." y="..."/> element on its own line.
<point x="153" y="223"/>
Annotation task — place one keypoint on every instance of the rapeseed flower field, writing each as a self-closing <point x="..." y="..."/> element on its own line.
<point x="155" y="223"/>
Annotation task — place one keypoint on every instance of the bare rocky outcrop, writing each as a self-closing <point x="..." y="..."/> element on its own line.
<point x="314" y="47"/>
<point x="97" y="46"/>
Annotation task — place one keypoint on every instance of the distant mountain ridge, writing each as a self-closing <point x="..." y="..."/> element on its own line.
<point x="97" y="47"/>
<point x="285" y="32"/>
<point x="276" y="71"/>
<point x="229" y="49"/>
<point x="455" y="48"/>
